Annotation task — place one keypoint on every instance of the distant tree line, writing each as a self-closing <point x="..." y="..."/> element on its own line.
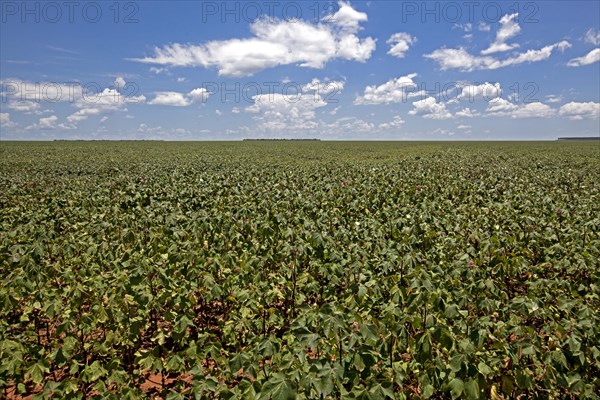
<point x="580" y="138"/>
<point x="294" y="140"/>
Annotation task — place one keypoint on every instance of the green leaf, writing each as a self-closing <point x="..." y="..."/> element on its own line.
<point x="456" y="387"/>
<point x="428" y="391"/>
<point x="278" y="388"/>
<point x="175" y="396"/>
<point x="483" y="368"/>
<point x="472" y="389"/>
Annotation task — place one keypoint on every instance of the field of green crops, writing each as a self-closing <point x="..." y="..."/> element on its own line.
<point x="300" y="270"/>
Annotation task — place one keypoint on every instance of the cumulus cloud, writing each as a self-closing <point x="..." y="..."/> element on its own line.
<point x="396" y="122"/>
<point x="45" y="123"/>
<point x="27" y="96"/>
<point x="119" y="82"/>
<point x="323" y="87"/>
<point x="83" y="114"/>
<point x="106" y="101"/>
<point x="460" y="58"/>
<point x="486" y="91"/>
<point x="275" y="42"/>
<point x="577" y="111"/>
<point x="509" y="28"/>
<point x="5" y="121"/>
<point x="48" y="122"/>
<point x="177" y="99"/>
<point x="278" y="111"/>
<point x="467" y="113"/>
<point x="393" y="91"/>
<point x="346" y="17"/>
<point x="590" y="58"/>
<point x="400" y="43"/>
<point x="502" y="107"/>
<point x="174" y="99"/>
<point x="26" y="106"/>
<point x="296" y="114"/>
<point x="430" y="108"/>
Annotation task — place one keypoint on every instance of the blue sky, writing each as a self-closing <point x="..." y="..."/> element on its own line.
<point x="192" y="70"/>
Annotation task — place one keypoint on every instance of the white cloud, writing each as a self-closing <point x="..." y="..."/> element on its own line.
<point x="277" y="111"/>
<point x="103" y="119"/>
<point x="393" y="91"/>
<point x="177" y="99"/>
<point x="106" y="101"/>
<point x="349" y="125"/>
<point x="397" y="122"/>
<point x="285" y="114"/>
<point x="323" y="87"/>
<point x="592" y="36"/>
<point x="461" y="59"/>
<point x="119" y="82"/>
<point x="464" y="127"/>
<point x="502" y="107"/>
<point x="486" y="91"/>
<point x="590" y="58"/>
<point x="235" y="110"/>
<point x="400" y="43"/>
<point x="27" y="96"/>
<point x="219" y="112"/>
<point x="468" y="27"/>
<point x="24" y="106"/>
<point x="429" y="108"/>
<point x="5" y="121"/>
<point x="174" y="99"/>
<point x="350" y="47"/>
<point x="48" y="122"/>
<point x="158" y="70"/>
<point x="509" y="29"/>
<point x="552" y="98"/>
<point x="533" y="110"/>
<point x="466" y="113"/>
<point x="275" y="42"/>
<point x="577" y="111"/>
<point x="181" y="79"/>
<point x="198" y="95"/>
<point x="483" y="27"/>
<point x="346" y="17"/>
<point x="83" y="114"/>
<point x="535" y="55"/>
